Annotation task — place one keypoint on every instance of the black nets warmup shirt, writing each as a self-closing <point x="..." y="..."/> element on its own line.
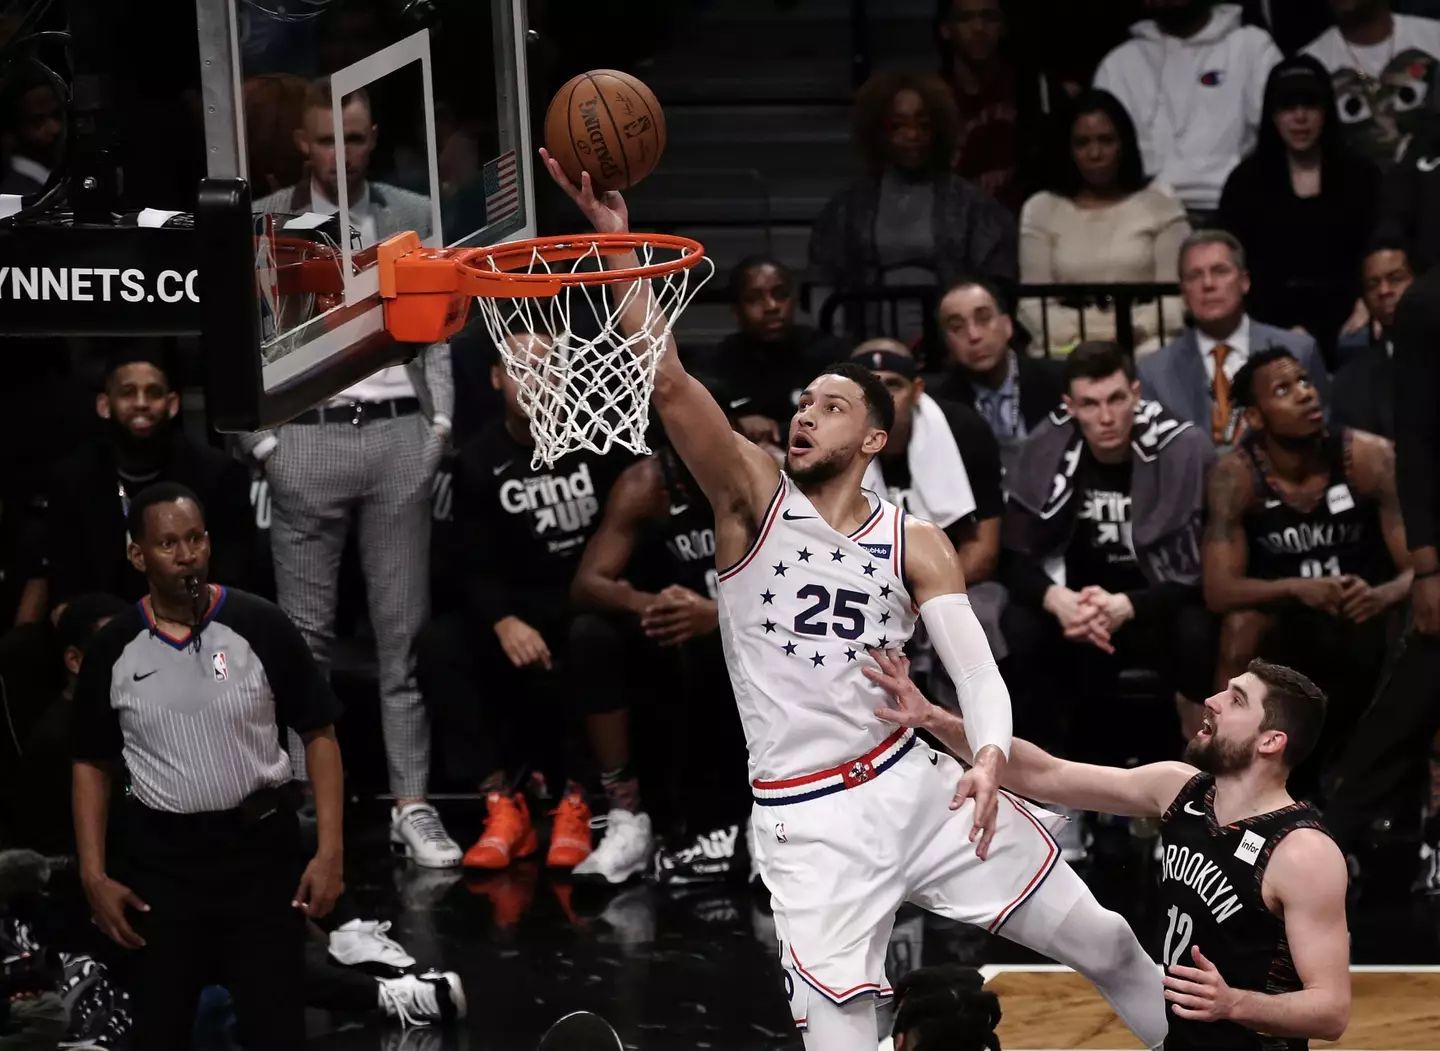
<point x="1210" y="883"/>
<point x="1101" y="551"/>
<point x="520" y="531"/>
<point x="1339" y="536"/>
<point x="199" y="726"/>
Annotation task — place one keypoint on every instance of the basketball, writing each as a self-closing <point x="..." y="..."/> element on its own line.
<point x="606" y="123"/>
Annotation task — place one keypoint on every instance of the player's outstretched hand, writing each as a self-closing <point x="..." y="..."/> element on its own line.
<point x="911" y="707"/>
<point x="606" y="212"/>
<point x="1199" y="993"/>
<point x="982" y="783"/>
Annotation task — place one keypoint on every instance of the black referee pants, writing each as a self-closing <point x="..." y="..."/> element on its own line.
<point x="219" y="890"/>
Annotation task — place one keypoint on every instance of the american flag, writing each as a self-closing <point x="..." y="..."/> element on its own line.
<point x="502" y="188"/>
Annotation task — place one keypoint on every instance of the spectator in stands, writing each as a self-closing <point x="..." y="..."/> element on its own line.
<point x="35" y="772"/>
<point x="1395" y="735"/>
<point x="275" y="106"/>
<point x="32" y="132"/>
<point x="1365" y="387"/>
<point x="1303" y="206"/>
<point x="1191" y="376"/>
<point x="909" y="219"/>
<point x="1379" y="61"/>
<point x="1291" y="23"/>
<point x="649" y="571"/>
<point x="1103" y="526"/>
<point x="1193" y="79"/>
<point x="1012" y="392"/>
<point x="377" y="209"/>
<point x="985" y="85"/>
<point x="524" y="530"/>
<point x="941" y="461"/>
<point x="23" y="594"/>
<point x="90" y="490"/>
<point x="1104" y="220"/>
<point x="770" y="359"/>
<point x="1305" y="549"/>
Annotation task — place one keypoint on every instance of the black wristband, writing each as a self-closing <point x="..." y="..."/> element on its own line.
<point x="1427" y="574"/>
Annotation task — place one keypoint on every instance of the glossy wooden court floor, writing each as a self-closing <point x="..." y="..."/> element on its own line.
<point x="1049" y="1007"/>
<point x="696" y="969"/>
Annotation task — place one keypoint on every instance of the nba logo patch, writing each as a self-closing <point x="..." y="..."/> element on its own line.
<point x="222" y="669"/>
<point x="780" y="831"/>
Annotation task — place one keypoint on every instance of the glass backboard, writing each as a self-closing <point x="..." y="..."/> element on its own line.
<point x="353" y="120"/>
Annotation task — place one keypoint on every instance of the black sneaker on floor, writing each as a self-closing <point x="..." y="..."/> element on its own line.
<point x="712" y="857"/>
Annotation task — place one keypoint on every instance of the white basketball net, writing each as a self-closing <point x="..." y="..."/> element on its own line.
<point x="589" y="389"/>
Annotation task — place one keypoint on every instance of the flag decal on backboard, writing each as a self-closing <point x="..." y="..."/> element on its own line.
<point x="502" y="188"/>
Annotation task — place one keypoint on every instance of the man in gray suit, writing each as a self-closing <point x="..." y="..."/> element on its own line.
<point x="1191" y="376"/>
<point x="377" y="209"/>
<point x="368" y="454"/>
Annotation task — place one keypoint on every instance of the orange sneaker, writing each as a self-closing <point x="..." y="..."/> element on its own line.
<point x="508" y="836"/>
<point x="570" y="835"/>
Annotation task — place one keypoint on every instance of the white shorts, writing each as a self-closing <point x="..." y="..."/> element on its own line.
<point x="840" y="865"/>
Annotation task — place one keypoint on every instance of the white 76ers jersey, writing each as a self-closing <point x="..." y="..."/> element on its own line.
<point x="796" y="615"/>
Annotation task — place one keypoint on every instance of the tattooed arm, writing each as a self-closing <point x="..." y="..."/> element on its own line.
<point x="1227" y="555"/>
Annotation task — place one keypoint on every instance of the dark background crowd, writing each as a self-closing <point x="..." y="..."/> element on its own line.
<point x="1152" y="299"/>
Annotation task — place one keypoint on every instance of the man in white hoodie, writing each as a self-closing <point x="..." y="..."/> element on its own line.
<point x="1193" y="79"/>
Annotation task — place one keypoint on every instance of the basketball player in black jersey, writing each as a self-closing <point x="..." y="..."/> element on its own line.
<point x="652" y="563"/>
<point x="1254" y="942"/>
<point x="1305" y="549"/>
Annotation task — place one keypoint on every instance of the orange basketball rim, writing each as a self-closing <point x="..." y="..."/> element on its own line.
<point x="427" y="291"/>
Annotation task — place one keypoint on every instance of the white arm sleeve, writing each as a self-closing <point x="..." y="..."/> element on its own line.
<point x="960" y="642"/>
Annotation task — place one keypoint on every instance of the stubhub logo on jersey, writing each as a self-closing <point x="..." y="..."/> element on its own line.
<point x="557" y="503"/>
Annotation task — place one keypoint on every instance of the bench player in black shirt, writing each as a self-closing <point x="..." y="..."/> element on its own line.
<point x="651" y="566"/>
<point x="1305" y="548"/>
<point x="1254" y="942"/>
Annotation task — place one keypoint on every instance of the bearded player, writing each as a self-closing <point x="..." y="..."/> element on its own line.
<point x="852" y="820"/>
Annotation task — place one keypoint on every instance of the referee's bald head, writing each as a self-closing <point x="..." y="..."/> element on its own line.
<point x="154" y="496"/>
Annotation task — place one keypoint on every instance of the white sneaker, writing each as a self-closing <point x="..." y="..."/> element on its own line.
<point x="420" y="999"/>
<point x="1428" y="882"/>
<point x="418" y="831"/>
<point x="365" y="943"/>
<point x="623" y="854"/>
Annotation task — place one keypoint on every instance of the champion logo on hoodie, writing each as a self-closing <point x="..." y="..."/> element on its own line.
<point x="1212" y="78"/>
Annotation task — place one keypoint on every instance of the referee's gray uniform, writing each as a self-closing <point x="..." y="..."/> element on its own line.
<point x="208" y="838"/>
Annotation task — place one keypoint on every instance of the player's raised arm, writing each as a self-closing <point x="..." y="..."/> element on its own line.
<point x="732" y="473"/>
<point x="937" y="585"/>
<point x="1032" y="771"/>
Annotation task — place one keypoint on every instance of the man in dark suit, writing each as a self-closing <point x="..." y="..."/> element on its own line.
<point x="1365" y="387"/>
<point x="32" y="131"/>
<point x="1013" y="393"/>
<point x="1191" y="376"/>
<point x="90" y="491"/>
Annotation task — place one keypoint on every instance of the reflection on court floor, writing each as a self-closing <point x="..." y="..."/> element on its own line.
<point x="1052" y="1007"/>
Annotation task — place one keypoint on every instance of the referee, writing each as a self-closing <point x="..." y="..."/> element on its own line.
<point x="192" y="688"/>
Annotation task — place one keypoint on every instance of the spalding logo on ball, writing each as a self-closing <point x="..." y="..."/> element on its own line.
<point x="607" y="123"/>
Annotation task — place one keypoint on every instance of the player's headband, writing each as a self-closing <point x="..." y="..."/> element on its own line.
<point x="888" y="361"/>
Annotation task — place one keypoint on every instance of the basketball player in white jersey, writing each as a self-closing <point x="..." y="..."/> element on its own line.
<point x="852" y="820"/>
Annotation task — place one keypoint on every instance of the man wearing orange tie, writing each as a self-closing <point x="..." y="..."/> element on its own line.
<point x="1192" y="376"/>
